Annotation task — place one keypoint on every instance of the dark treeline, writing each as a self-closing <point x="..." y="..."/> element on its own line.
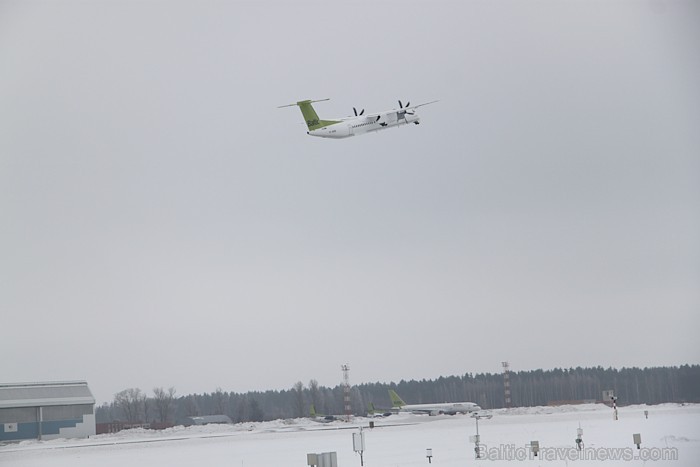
<point x="528" y="388"/>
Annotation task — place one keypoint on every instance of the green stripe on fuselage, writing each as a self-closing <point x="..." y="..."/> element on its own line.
<point x="311" y="117"/>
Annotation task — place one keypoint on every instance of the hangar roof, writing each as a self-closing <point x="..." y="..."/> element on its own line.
<point x="45" y="394"/>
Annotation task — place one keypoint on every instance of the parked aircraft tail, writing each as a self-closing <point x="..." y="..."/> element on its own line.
<point x="396" y="401"/>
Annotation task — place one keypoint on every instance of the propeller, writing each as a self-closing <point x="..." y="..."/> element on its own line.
<point x="404" y="109"/>
<point x="355" y="110"/>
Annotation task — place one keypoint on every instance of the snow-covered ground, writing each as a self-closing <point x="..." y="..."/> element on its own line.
<point x="671" y="434"/>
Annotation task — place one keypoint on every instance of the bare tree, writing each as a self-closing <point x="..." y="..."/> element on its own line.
<point x="298" y="390"/>
<point x="146" y="406"/>
<point x="191" y="406"/>
<point x="242" y="409"/>
<point x="219" y="400"/>
<point x="315" y="393"/>
<point x="130" y="402"/>
<point x="164" y="402"/>
<point x="256" y="413"/>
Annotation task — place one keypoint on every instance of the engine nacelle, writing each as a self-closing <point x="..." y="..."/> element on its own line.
<point x="412" y="118"/>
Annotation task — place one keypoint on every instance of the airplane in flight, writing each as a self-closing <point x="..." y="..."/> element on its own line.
<point x="448" y="408"/>
<point x="358" y="124"/>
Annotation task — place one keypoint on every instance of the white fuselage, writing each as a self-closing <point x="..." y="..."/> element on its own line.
<point x="353" y="126"/>
<point x="449" y="408"/>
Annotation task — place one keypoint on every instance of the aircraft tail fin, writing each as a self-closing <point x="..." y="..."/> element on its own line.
<point x="396" y="401"/>
<point x="312" y="411"/>
<point x="313" y="122"/>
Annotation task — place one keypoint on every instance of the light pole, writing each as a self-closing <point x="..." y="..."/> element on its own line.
<point x="358" y="444"/>
<point x="477" y="416"/>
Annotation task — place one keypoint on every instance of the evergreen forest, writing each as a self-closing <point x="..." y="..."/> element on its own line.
<point x="528" y="388"/>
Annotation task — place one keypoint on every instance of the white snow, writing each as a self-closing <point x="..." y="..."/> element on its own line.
<point x="671" y="430"/>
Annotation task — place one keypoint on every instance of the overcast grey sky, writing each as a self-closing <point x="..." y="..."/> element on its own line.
<point x="164" y="224"/>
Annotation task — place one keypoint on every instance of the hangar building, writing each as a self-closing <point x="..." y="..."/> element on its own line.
<point x="63" y="409"/>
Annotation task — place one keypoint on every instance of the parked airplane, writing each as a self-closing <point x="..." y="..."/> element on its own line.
<point x="320" y="417"/>
<point x="449" y="408"/>
<point x="358" y="124"/>
<point x="375" y="412"/>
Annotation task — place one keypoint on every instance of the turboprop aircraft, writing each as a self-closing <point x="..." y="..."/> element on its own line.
<point x="449" y="408"/>
<point x="374" y="412"/>
<point x="318" y="417"/>
<point x="358" y="124"/>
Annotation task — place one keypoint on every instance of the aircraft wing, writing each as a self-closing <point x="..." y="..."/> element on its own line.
<point x="420" y="105"/>
<point x="431" y="412"/>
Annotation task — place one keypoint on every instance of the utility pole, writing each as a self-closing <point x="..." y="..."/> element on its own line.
<point x="506" y="383"/>
<point x="346" y="391"/>
<point x="477" y="439"/>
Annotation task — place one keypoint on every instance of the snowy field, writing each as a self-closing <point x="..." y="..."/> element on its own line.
<point x="670" y="436"/>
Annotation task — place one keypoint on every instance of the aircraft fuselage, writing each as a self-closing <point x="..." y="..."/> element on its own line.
<point x="354" y="126"/>
<point x="449" y="408"/>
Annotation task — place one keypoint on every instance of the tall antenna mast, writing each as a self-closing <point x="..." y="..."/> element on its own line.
<point x="346" y="391"/>
<point x="506" y="383"/>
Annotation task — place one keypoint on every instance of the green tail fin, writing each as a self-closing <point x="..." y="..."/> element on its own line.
<point x="312" y="411"/>
<point x="396" y="401"/>
<point x="310" y="115"/>
<point x="313" y="122"/>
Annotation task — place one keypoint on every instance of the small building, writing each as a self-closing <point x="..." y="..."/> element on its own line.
<point x="52" y="410"/>
<point x="608" y="397"/>
<point x="207" y="419"/>
<point x="571" y="402"/>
